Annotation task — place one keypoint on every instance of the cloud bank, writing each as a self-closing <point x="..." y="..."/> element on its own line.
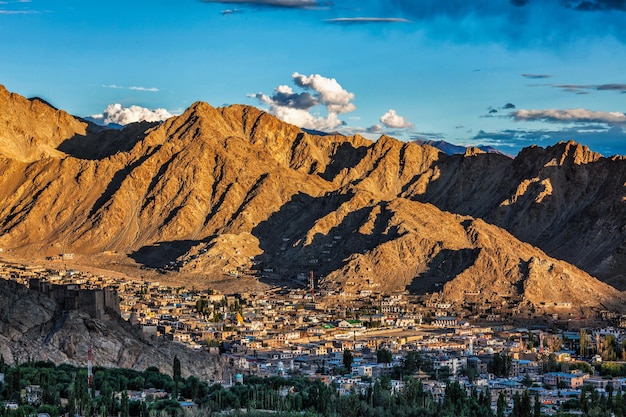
<point x="570" y="116"/>
<point x="517" y="23"/>
<point x="607" y="141"/>
<point x="595" y="5"/>
<point x="584" y="89"/>
<point x="116" y="114"/>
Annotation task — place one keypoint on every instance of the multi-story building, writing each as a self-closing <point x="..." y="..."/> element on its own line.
<point x="564" y="379"/>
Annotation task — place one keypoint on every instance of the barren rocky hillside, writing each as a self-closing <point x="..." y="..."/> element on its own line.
<point x="32" y="326"/>
<point x="218" y="193"/>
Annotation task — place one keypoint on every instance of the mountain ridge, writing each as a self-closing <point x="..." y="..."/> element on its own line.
<point x="452" y="149"/>
<point x="229" y="190"/>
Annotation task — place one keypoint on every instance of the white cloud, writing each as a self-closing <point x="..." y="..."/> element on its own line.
<point x="393" y="120"/>
<point x="296" y="108"/>
<point x="570" y="116"/>
<point x="115" y="113"/>
<point x="14" y="12"/>
<point x="151" y="89"/>
<point x="305" y="119"/>
<point x="328" y="91"/>
<point x="134" y="88"/>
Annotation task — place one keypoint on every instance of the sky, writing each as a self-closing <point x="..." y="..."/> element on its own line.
<point x="504" y="73"/>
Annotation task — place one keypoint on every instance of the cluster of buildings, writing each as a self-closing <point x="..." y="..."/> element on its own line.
<point x="297" y="332"/>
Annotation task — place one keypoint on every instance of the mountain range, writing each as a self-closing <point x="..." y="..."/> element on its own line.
<point x="216" y="193"/>
<point x="452" y="149"/>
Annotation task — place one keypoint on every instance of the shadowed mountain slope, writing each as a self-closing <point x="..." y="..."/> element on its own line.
<point x="220" y="192"/>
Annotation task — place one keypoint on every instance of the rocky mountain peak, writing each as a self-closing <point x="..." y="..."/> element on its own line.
<point x="574" y="153"/>
<point x="33" y="129"/>
<point x="473" y="151"/>
<point x="560" y="154"/>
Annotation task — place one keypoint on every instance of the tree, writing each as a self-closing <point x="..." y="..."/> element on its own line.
<point x="501" y="405"/>
<point x="17" y="378"/>
<point x="202" y="305"/>
<point x="124" y="404"/>
<point x="136" y="383"/>
<point x="537" y="407"/>
<point x="455" y="398"/>
<point x="348" y="405"/>
<point x="609" y="348"/>
<point x="501" y="364"/>
<point x="527" y="381"/>
<point x="379" y="395"/>
<point x="414" y="392"/>
<point x="347" y="359"/>
<point x="517" y="399"/>
<point x="554" y="342"/>
<point x="51" y="410"/>
<point x="106" y="399"/>
<point x="618" y="404"/>
<point x="521" y="405"/>
<point x="177" y="376"/>
<point x="472" y="374"/>
<point x="383" y="356"/>
<point x="191" y="388"/>
<point x="412" y="362"/>
<point x="170" y="407"/>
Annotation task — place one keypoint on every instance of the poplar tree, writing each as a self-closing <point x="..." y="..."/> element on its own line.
<point x="537" y="407"/>
<point x="347" y="359"/>
<point x="501" y="405"/>
<point x="177" y="376"/>
<point x="124" y="404"/>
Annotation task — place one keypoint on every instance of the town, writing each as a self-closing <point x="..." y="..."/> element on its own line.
<point x="351" y="340"/>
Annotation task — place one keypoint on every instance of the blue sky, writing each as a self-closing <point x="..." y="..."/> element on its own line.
<point x="507" y="73"/>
